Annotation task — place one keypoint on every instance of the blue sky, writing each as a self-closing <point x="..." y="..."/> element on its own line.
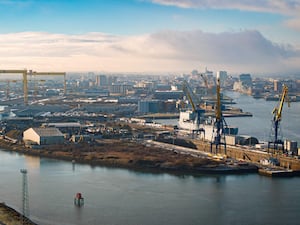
<point x="151" y="35"/>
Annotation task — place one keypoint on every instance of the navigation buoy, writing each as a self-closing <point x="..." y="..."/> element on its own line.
<point x="78" y="200"/>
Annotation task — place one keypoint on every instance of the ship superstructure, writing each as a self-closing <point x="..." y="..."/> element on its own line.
<point x="193" y="120"/>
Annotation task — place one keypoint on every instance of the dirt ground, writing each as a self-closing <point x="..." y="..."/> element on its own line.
<point x="9" y="216"/>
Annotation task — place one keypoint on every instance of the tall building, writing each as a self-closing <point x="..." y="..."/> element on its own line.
<point x="246" y="79"/>
<point x="101" y="80"/>
<point x="148" y="106"/>
<point x="244" y="85"/>
<point x="222" y="76"/>
<point x="111" y="80"/>
<point x="276" y="85"/>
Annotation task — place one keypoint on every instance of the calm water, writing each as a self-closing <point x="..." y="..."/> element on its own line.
<point x="118" y="196"/>
<point x="259" y="125"/>
<point x="123" y="197"/>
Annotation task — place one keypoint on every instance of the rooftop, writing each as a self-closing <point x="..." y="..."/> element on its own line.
<point x="48" y="131"/>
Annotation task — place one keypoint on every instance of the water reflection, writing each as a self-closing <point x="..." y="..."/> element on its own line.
<point x="32" y="162"/>
<point x="119" y="196"/>
<point x="73" y="165"/>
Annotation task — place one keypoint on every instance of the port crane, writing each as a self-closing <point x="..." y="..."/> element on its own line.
<point x="8" y="82"/>
<point x="218" y="135"/>
<point x="192" y="98"/>
<point x="34" y="73"/>
<point x="25" y="74"/>
<point x="277" y="115"/>
<point x="205" y="82"/>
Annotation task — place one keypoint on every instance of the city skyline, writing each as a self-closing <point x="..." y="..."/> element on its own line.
<point x="144" y="36"/>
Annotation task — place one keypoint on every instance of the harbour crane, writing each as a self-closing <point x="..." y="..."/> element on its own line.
<point x="25" y="73"/>
<point x="197" y="113"/>
<point x="8" y="82"/>
<point x="208" y="84"/>
<point x="36" y="86"/>
<point x="218" y="135"/>
<point x="193" y="99"/>
<point x="34" y="73"/>
<point x="205" y="82"/>
<point x="277" y="115"/>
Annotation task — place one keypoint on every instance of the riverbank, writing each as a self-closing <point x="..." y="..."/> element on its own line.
<point x="132" y="155"/>
<point x="9" y="216"/>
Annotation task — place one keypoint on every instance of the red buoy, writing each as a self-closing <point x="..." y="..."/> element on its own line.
<point x="78" y="200"/>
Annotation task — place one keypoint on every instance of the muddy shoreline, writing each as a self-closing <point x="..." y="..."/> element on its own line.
<point x="133" y="156"/>
<point x="9" y="215"/>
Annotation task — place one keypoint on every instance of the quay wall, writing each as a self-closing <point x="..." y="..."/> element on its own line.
<point x="249" y="154"/>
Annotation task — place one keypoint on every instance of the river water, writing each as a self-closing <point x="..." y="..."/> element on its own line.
<point x="125" y="197"/>
<point x="259" y="125"/>
<point x="119" y="196"/>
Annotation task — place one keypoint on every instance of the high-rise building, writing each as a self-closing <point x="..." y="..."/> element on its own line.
<point x="246" y="79"/>
<point x="222" y="76"/>
<point x="101" y="80"/>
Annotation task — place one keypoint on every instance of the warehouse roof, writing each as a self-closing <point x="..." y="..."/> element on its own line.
<point x="48" y="131"/>
<point x="70" y="124"/>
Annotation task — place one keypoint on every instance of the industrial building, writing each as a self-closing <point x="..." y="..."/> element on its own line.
<point x="65" y="127"/>
<point x="43" y="136"/>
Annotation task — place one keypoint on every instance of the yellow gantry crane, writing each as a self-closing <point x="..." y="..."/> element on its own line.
<point x="33" y="73"/>
<point x="25" y="74"/>
<point x="277" y="115"/>
<point x="8" y="87"/>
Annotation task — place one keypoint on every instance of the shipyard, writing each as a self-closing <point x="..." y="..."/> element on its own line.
<point x="149" y="112"/>
<point x="105" y="108"/>
<point x="110" y="121"/>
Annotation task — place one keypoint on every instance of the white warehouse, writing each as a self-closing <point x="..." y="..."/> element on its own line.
<point x="43" y="136"/>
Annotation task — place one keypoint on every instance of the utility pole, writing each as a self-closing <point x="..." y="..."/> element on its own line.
<point x="25" y="203"/>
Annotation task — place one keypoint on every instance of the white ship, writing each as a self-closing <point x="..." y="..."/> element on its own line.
<point x="193" y="122"/>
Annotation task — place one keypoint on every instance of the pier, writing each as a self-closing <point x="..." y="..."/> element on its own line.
<point x="287" y="165"/>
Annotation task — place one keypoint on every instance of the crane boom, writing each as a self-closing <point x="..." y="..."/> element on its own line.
<point x="25" y="87"/>
<point x="13" y="71"/>
<point x="277" y="111"/>
<point x="34" y="73"/>
<point x="218" y="105"/>
<point x="188" y="94"/>
<point x="48" y="73"/>
<point x="277" y="114"/>
<point x="25" y="73"/>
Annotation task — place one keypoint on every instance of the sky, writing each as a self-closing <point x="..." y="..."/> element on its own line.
<point x="260" y="37"/>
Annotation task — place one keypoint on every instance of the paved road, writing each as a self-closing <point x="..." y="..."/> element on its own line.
<point x="179" y="149"/>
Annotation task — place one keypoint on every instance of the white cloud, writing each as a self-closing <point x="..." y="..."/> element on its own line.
<point x="289" y="8"/>
<point x="278" y="6"/>
<point x="165" y="51"/>
<point x="294" y="23"/>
